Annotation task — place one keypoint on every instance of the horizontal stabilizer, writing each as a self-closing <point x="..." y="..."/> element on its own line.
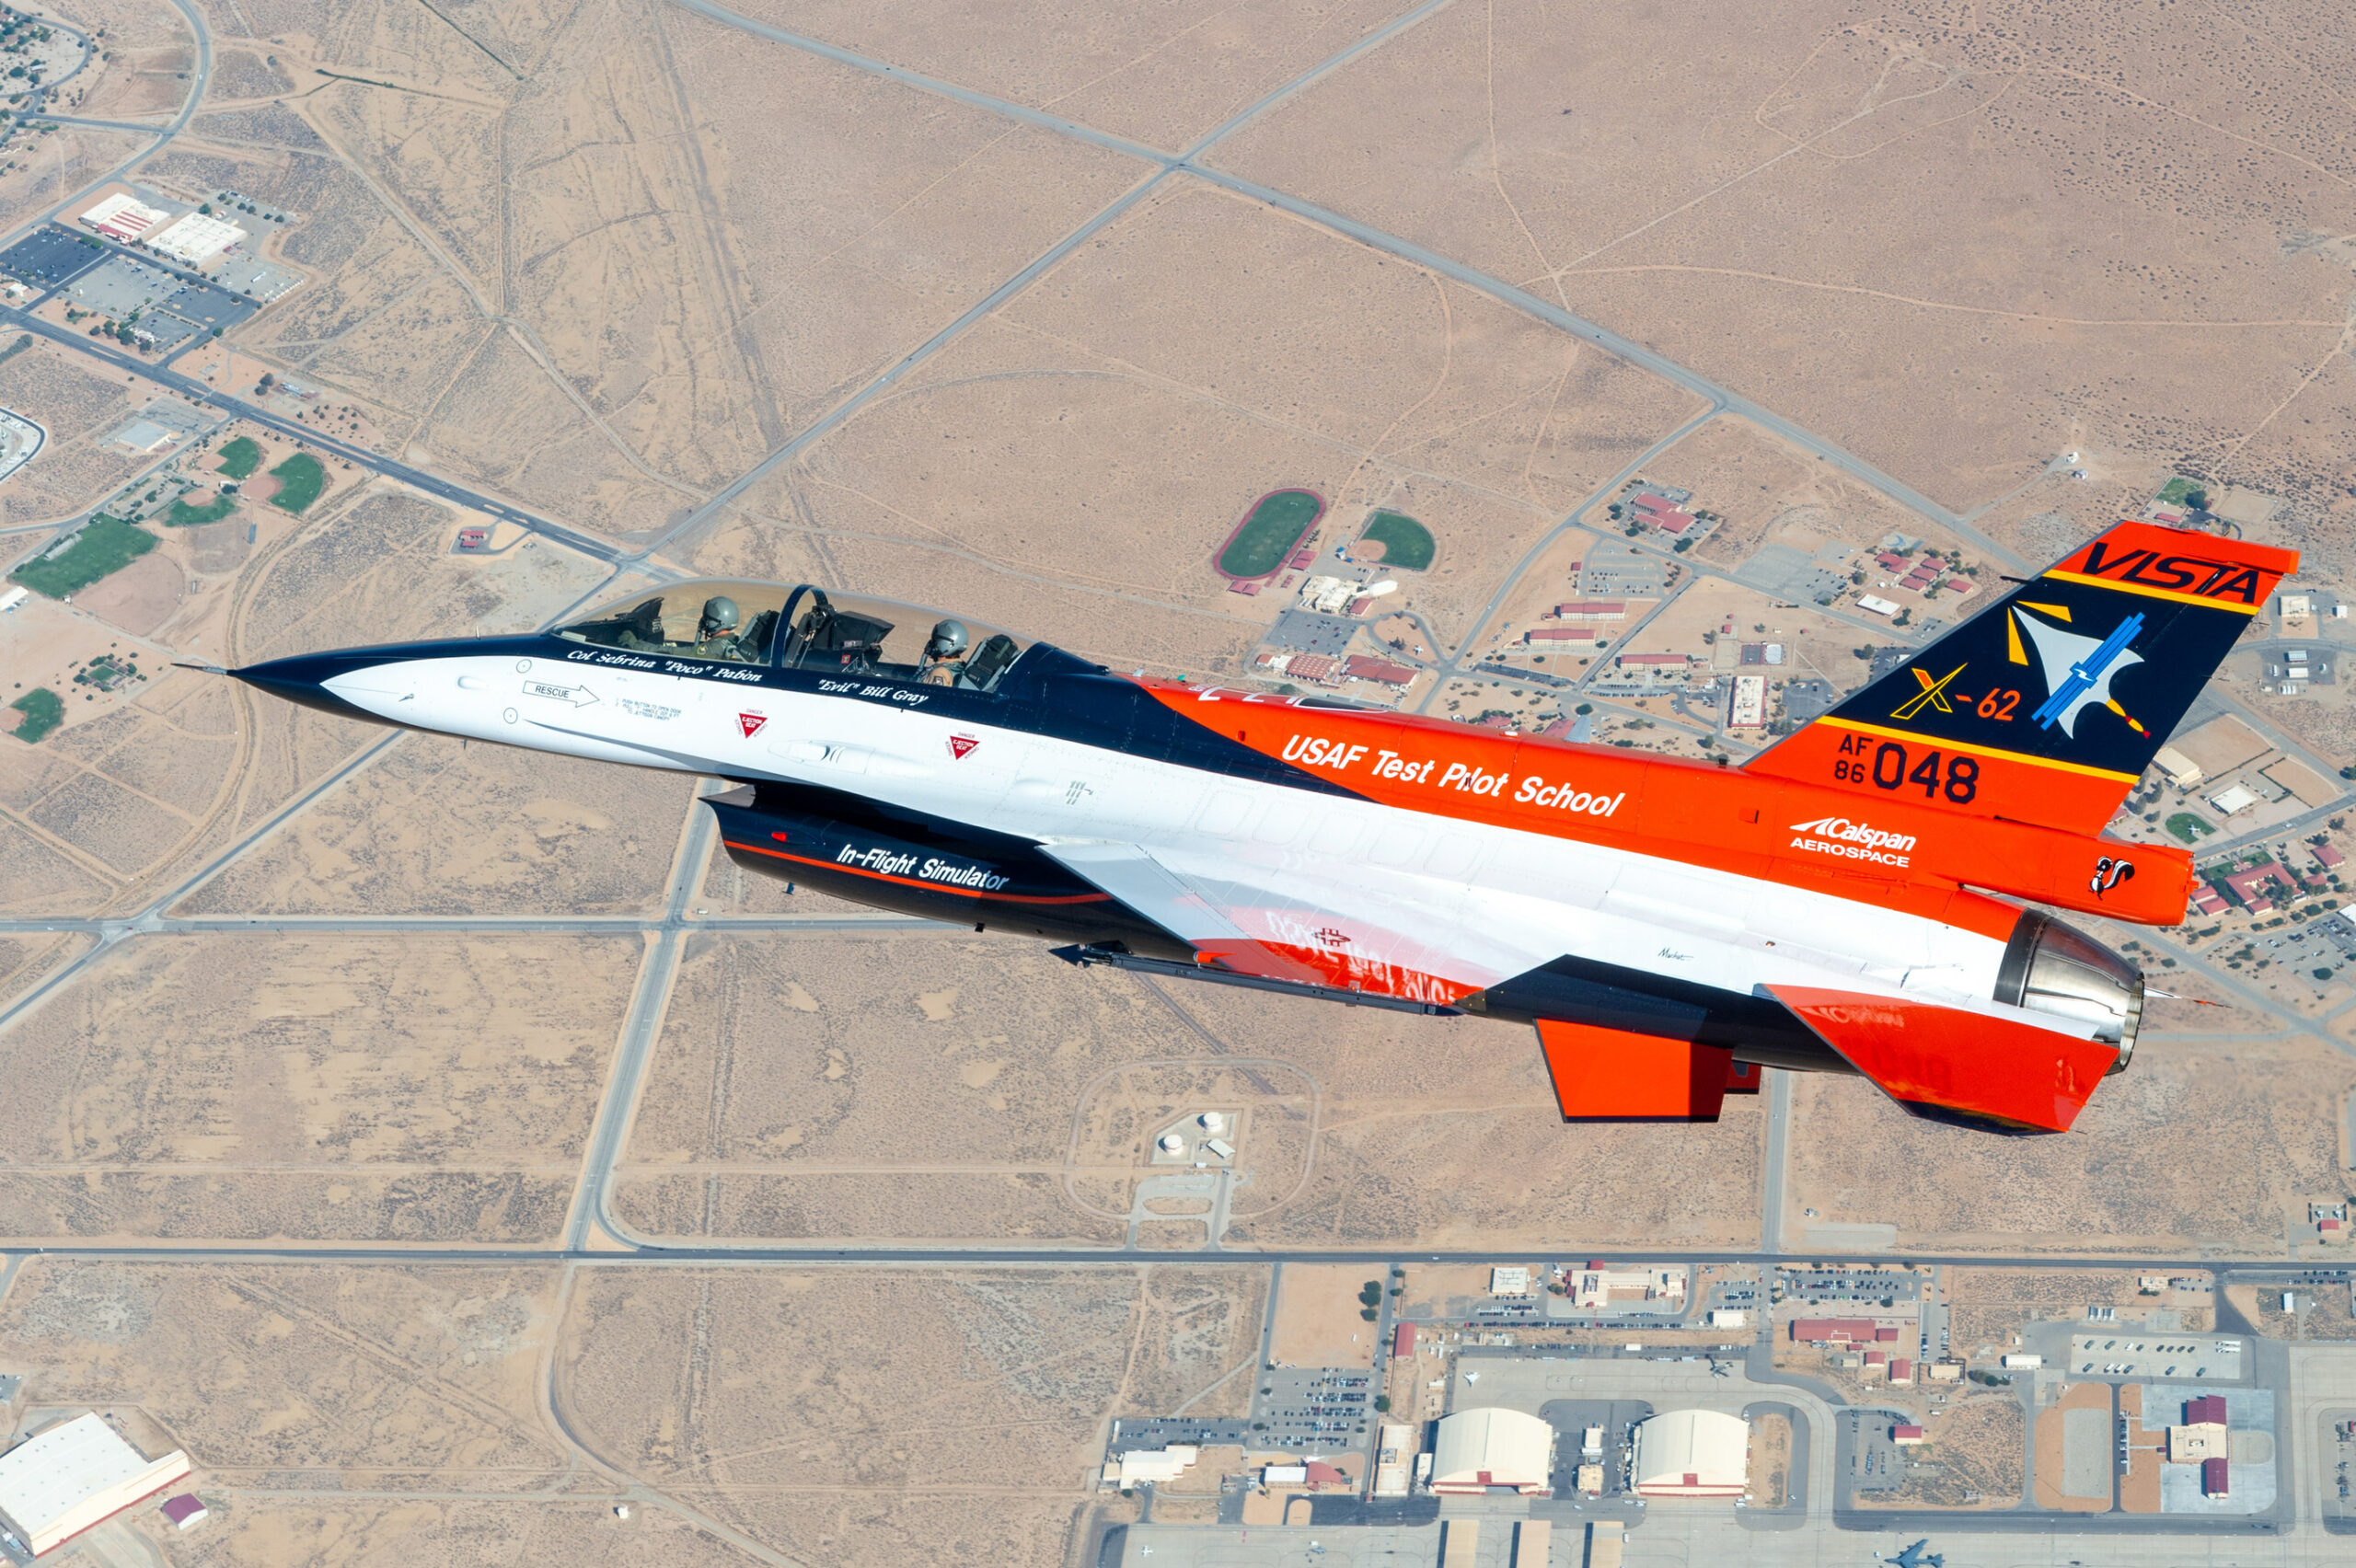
<point x="1611" y="1075"/>
<point x="1952" y="1066"/>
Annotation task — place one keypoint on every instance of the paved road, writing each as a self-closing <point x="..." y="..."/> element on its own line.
<point x="1022" y="280"/>
<point x="982" y="1256"/>
<point x="1779" y="1134"/>
<point x="1720" y="398"/>
<point x="45" y="118"/>
<point x="1449" y="667"/>
<point x="358" y="456"/>
<point x="641" y="1027"/>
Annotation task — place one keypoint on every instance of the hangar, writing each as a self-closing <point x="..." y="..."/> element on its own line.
<point x="1480" y="1450"/>
<point x="57" y="1484"/>
<point x="1693" y="1453"/>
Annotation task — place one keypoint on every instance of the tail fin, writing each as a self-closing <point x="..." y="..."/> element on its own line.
<point x="2047" y="706"/>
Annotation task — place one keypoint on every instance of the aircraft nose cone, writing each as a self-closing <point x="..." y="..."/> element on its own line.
<point x="303" y="678"/>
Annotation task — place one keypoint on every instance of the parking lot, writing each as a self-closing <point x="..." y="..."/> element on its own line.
<point x="1876" y="1461"/>
<point x="2156" y="1356"/>
<point x="209" y="307"/>
<point x="121" y="286"/>
<point x="50" y="256"/>
<point x="1313" y="1407"/>
<point x="1827" y="1288"/>
<point x="1154" y="1432"/>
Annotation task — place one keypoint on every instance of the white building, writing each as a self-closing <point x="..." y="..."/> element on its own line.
<point x="2234" y="798"/>
<point x="1479" y="1450"/>
<point x="1395" y="1442"/>
<point x="57" y="1484"/>
<point x="1693" y="1453"/>
<point x="1750" y="709"/>
<point x="1509" y="1281"/>
<point x="2182" y="771"/>
<point x="197" y="238"/>
<point x="1592" y="1287"/>
<point x="123" y="217"/>
<point x="1159" y="1466"/>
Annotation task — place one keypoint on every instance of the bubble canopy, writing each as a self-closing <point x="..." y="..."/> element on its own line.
<point x="729" y="620"/>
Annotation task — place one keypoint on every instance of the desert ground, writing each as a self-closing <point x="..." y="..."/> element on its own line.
<point x="372" y="1085"/>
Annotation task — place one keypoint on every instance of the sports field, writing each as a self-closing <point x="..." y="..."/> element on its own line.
<point x="182" y="515"/>
<point x="44" y="710"/>
<point x="300" y="479"/>
<point x="105" y="545"/>
<point x="241" y="457"/>
<point x="1406" y="544"/>
<point x="1278" y="523"/>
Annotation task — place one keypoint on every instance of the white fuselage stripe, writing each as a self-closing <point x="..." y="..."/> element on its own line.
<point x="1470" y="902"/>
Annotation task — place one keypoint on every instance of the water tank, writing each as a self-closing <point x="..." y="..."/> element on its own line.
<point x="1212" y="1122"/>
<point x="1173" y="1143"/>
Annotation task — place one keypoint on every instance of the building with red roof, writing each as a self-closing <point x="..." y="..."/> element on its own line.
<point x="1316" y="668"/>
<point x="1359" y="667"/>
<point x="2212" y="1478"/>
<point x="1832" y="1330"/>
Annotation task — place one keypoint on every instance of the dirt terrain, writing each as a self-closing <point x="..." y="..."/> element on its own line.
<point x="274" y="978"/>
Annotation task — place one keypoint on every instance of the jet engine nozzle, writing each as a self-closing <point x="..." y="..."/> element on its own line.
<point x="2053" y="968"/>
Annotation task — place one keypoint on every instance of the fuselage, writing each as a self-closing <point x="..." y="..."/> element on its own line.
<point x="1348" y="851"/>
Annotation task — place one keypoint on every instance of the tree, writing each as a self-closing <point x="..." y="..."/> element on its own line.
<point x="267" y="381"/>
<point x="1382" y="1404"/>
<point x="2197" y="499"/>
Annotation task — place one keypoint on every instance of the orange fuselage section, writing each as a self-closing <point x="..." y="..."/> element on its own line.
<point x="1896" y="847"/>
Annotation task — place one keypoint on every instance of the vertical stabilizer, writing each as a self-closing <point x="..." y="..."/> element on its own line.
<point x="2047" y="706"/>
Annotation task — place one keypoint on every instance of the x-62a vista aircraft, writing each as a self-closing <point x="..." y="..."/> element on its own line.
<point x="1853" y="900"/>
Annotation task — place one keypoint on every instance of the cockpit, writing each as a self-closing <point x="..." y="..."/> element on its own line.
<point x="805" y="628"/>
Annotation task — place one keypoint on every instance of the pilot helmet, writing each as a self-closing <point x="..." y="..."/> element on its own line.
<point x="947" y="640"/>
<point x="718" y="617"/>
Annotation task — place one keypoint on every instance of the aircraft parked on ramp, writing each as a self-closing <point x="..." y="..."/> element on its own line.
<point x="1842" y="903"/>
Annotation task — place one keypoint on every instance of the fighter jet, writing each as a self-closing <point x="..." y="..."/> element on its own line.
<point x="1914" y="1557"/>
<point x="1859" y="898"/>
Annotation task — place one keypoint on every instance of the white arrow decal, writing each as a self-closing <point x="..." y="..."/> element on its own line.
<point x="579" y="697"/>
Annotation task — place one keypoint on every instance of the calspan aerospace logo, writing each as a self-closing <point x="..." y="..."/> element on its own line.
<point x="1853" y="841"/>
